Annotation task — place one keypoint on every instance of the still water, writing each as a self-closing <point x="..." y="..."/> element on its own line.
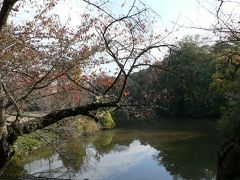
<point x="183" y="149"/>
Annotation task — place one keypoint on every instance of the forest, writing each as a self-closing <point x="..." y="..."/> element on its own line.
<point x="111" y="68"/>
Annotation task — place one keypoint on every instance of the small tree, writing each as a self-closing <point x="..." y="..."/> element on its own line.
<point x="63" y="60"/>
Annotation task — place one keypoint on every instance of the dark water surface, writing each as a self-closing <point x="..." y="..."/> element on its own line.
<point x="184" y="149"/>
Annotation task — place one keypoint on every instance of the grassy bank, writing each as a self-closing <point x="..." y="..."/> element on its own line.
<point x="59" y="132"/>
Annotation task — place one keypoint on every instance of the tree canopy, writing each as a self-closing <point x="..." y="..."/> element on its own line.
<point x="46" y="59"/>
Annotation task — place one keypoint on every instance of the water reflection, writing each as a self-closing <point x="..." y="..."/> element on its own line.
<point x="176" y="153"/>
<point x="121" y="161"/>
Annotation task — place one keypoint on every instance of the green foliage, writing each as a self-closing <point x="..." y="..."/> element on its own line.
<point x="189" y="92"/>
<point x="184" y="91"/>
<point x="28" y="143"/>
<point x="86" y="125"/>
<point x="226" y="82"/>
<point x="31" y="142"/>
<point x="107" y="121"/>
<point x="230" y="120"/>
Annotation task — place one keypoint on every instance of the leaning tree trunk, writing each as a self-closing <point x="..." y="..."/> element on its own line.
<point x="229" y="159"/>
<point x="5" y="145"/>
<point x="6" y="148"/>
<point x="12" y="131"/>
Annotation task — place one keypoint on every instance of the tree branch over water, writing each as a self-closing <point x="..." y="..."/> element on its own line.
<point x="64" y="66"/>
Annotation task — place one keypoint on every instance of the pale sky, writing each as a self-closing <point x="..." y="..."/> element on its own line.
<point x="189" y="13"/>
<point x="184" y="12"/>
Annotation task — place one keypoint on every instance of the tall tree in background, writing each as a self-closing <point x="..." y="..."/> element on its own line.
<point x="185" y="91"/>
<point x="189" y="95"/>
<point x="226" y="81"/>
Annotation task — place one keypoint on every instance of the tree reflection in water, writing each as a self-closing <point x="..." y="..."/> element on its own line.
<point x="177" y="153"/>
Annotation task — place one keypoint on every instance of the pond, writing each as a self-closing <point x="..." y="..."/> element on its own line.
<point x="183" y="149"/>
